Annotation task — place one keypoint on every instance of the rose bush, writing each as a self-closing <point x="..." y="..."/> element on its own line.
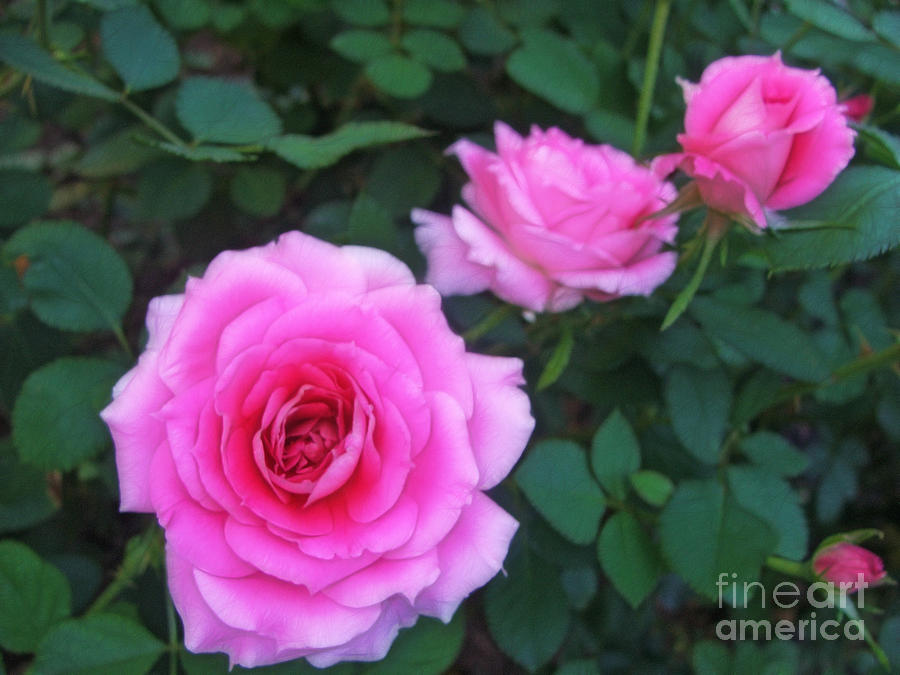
<point x="552" y="220"/>
<point x="760" y="135"/>
<point x="315" y="441"/>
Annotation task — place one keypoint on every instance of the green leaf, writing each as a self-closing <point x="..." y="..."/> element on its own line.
<point x="774" y="453"/>
<point x="610" y="127"/>
<point x="109" y="5"/>
<point x="483" y="33"/>
<point x="310" y="152"/>
<point x="615" y="454"/>
<point x="98" y="644"/>
<point x="143" y="53"/>
<point x="705" y="533"/>
<point x="698" y="402"/>
<point x="757" y="393"/>
<point x="402" y="178"/>
<point x="34" y="596"/>
<point x="559" y="359"/>
<point x="653" y="487"/>
<point x="184" y="14"/>
<point x="428" y="648"/>
<point x="360" y="45"/>
<point x="370" y="224"/>
<point x="887" y="25"/>
<point x="434" y="49"/>
<point x="198" y="153"/>
<point x="859" y="206"/>
<point x="23" y="54"/>
<point x="711" y="658"/>
<point x="74" y="280"/>
<point x="864" y="319"/>
<point x="555" y="69"/>
<point x="830" y="18"/>
<point x="763" y="337"/>
<point x="228" y="16"/>
<point x="580" y="584"/>
<point x="172" y="189"/>
<point x="27" y="344"/>
<point x="578" y="667"/>
<point x="221" y="111"/>
<point x="362" y="12"/>
<point x="772" y="499"/>
<point x="555" y="477"/>
<point x="24" y="493"/>
<point x="434" y="13"/>
<point x="526" y="609"/>
<point x="880" y="145"/>
<point x="17" y="132"/>
<point x="55" y="422"/>
<point x="24" y="195"/>
<point x="629" y="558"/>
<point x="399" y="75"/>
<point x="258" y="191"/>
<point x="115" y="155"/>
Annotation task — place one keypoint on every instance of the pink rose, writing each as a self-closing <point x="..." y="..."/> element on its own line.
<point x="552" y="220"/>
<point x="760" y="134"/>
<point x="843" y="563"/>
<point x="315" y="441"/>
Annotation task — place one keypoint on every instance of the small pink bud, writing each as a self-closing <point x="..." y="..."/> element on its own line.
<point x="858" y="107"/>
<point x="844" y="562"/>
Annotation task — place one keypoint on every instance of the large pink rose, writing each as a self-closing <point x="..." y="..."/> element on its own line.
<point x="760" y="134"/>
<point x="315" y="441"/>
<point x="552" y="220"/>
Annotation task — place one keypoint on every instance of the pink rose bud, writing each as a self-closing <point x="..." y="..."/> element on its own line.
<point x="844" y="562"/>
<point x="550" y="220"/>
<point x="858" y="108"/>
<point x="316" y="443"/>
<point x="760" y="134"/>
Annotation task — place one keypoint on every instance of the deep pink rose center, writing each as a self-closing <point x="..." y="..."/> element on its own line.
<point x="304" y="433"/>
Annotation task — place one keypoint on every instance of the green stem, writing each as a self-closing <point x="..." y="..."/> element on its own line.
<point x="789" y="567"/>
<point x="140" y="552"/>
<point x="152" y="122"/>
<point x="713" y="235"/>
<point x="43" y="23"/>
<point x="864" y="364"/>
<point x="850" y="610"/>
<point x="651" y="68"/>
<point x="491" y="321"/>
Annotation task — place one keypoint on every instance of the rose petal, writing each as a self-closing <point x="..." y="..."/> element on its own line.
<point x="194" y="533"/>
<point x="285" y="612"/>
<point x="470" y="555"/>
<point x="449" y="269"/>
<point x="501" y="422"/>
<point x="135" y="429"/>
<point x="203" y="630"/>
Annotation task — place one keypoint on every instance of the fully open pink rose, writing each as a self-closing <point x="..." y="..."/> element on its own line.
<point x="552" y="220"/>
<point x="315" y="441"/>
<point x="760" y="134"/>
